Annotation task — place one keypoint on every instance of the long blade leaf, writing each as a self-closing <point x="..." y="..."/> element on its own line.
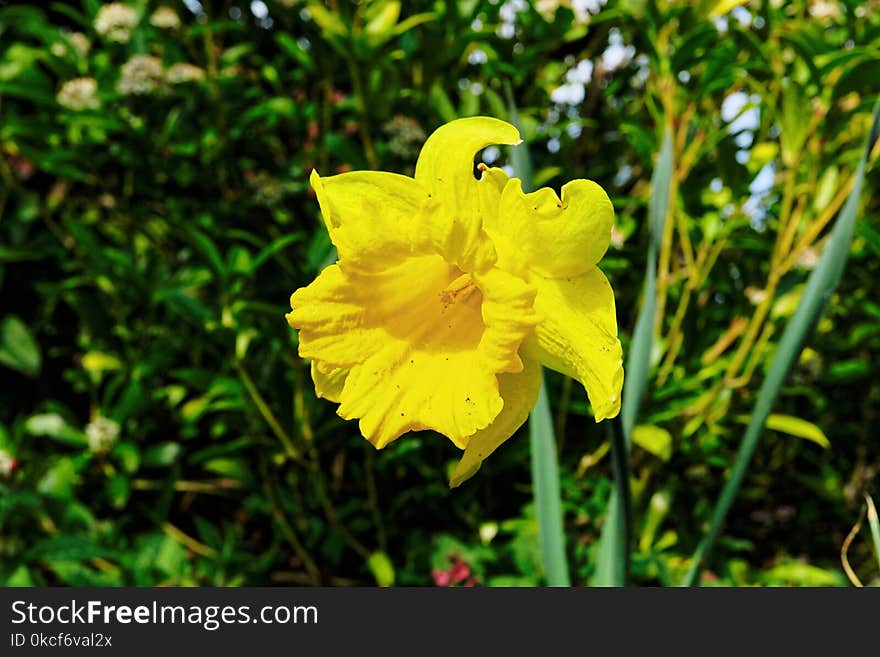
<point x="612" y="564"/>
<point x="545" y="479"/>
<point x="874" y="524"/>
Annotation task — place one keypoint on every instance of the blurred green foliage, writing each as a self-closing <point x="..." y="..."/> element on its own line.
<point x="156" y="424"/>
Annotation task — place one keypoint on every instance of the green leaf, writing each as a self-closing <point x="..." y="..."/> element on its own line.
<point x="66" y="547"/>
<point x="75" y="573"/>
<point x="228" y="467"/>
<point x="613" y="555"/>
<point x="796" y="573"/>
<point x="639" y="358"/>
<point x="658" y="508"/>
<point x="161" y="455"/>
<point x="825" y="189"/>
<point x="330" y="23"/>
<point x="18" y="348"/>
<point x="383" y="570"/>
<point x="794" y="426"/>
<point x="290" y="45"/>
<point x="97" y="362"/>
<point x="383" y="19"/>
<point x="820" y="285"/>
<point x="795" y="121"/>
<point x="519" y="155"/>
<point x="170" y="556"/>
<point x="118" y="490"/>
<point x="19" y="578"/>
<point x="413" y="21"/>
<point x="545" y="175"/>
<point x="56" y="427"/>
<point x="233" y="54"/>
<point x="545" y="479"/>
<point x="59" y="480"/>
<point x="207" y="246"/>
<point x="874" y="524"/>
<point x="17" y="59"/>
<point x="441" y="103"/>
<point x="656" y="440"/>
<point x="5" y="442"/>
<point x="277" y="245"/>
<point x="128" y="456"/>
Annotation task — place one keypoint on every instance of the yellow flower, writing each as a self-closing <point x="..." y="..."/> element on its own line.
<point x="449" y="293"/>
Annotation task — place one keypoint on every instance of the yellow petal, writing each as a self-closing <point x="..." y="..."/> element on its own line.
<point x="422" y="341"/>
<point x="446" y="169"/>
<point x="512" y="229"/>
<point x="330" y="315"/>
<point x="491" y="183"/>
<point x="577" y="335"/>
<point x="328" y="385"/>
<point x="446" y="161"/>
<point x="519" y="392"/>
<point x="550" y="236"/>
<point x="398" y="390"/>
<point x="371" y="213"/>
<point x="508" y="314"/>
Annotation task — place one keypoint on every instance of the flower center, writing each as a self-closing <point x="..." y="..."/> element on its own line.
<point x="429" y="303"/>
<point x="460" y="289"/>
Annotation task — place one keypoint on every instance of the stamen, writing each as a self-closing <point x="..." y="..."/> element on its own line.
<point x="458" y="290"/>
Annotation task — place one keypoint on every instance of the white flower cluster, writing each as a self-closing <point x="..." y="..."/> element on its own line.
<point x="165" y="18"/>
<point x="140" y="75"/>
<point x="79" y="94"/>
<point x="144" y="74"/>
<point x="115" y="21"/>
<point x="76" y="42"/>
<point x="824" y="10"/>
<point x="583" y="9"/>
<point x="184" y="72"/>
<point x="102" y="433"/>
<point x="80" y="42"/>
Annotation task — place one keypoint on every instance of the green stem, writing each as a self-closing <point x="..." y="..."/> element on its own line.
<point x="545" y="478"/>
<point x="622" y="517"/>
<point x="612" y="563"/>
<point x="267" y="414"/>
<point x="287" y="529"/>
<point x="364" y="123"/>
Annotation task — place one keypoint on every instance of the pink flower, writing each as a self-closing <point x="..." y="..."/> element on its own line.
<point x="441" y="577"/>
<point x="459" y="571"/>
